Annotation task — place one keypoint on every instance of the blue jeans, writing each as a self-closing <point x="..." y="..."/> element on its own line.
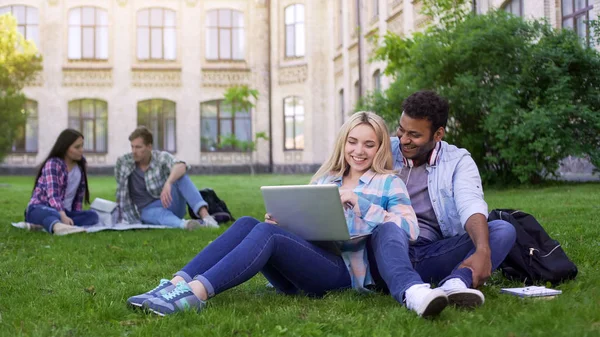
<point x="290" y="263"/>
<point x="48" y="216"/>
<point x="183" y="191"/>
<point x="400" y="265"/>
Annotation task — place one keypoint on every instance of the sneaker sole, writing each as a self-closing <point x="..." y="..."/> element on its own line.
<point x="467" y="298"/>
<point x="435" y="307"/>
<point x="69" y="232"/>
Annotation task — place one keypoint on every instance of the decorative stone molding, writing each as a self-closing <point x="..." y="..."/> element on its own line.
<point x="52" y="2"/>
<point x="225" y="77"/>
<point x="87" y="77"/>
<point x="294" y="74"/>
<point x="353" y="55"/>
<point x="292" y="157"/>
<point x="338" y="65"/>
<point x="260" y="3"/>
<point x="37" y="81"/>
<point x="20" y="159"/>
<point x="156" y="77"/>
<point x="93" y="158"/>
<point x="396" y="24"/>
<point x="122" y="3"/>
<point x="191" y="3"/>
<point x="225" y="158"/>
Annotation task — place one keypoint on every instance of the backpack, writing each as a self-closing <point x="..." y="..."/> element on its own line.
<point x="216" y="207"/>
<point x="535" y="257"/>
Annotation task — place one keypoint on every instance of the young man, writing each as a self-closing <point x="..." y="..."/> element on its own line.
<point x="152" y="187"/>
<point x="457" y="248"/>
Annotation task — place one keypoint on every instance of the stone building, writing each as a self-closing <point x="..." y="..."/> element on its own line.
<point x="110" y="65"/>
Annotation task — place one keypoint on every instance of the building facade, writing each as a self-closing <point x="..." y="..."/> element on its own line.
<point x="111" y="65"/>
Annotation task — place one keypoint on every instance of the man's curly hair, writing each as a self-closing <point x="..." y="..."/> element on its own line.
<point x="428" y="105"/>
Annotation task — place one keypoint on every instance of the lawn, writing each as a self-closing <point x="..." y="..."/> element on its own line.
<point x="77" y="285"/>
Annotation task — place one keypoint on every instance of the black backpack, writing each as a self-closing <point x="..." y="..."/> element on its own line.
<point x="535" y="257"/>
<point x="216" y="207"/>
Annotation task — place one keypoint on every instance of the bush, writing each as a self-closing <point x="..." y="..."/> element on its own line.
<point x="522" y="95"/>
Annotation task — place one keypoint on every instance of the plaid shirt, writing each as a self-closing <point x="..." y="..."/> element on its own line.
<point x="51" y="186"/>
<point x="381" y="198"/>
<point x="155" y="176"/>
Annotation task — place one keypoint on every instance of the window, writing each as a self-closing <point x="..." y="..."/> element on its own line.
<point x="26" y="139"/>
<point x="90" y="117"/>
<point x="88" y="34"/>
<point x="293" y="115"/>
<point x="575" y="14"/>
<point x="158" y="115"/>
<point x="341" y="106"/>
<point x="515" y="7"/>
<point x="356" y="92"/>
<point x="375" y="8"/>
<point x="340" y="23"/>
<point x="294" y="31"/>
<point x="377" y="80"/>
<point x="27" y="21"/>
<point x="225" y="35"/>
<point x="156" y="39"/>
<point x="218" y="122"/>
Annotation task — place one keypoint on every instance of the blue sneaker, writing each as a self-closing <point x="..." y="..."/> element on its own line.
<point x="180" y="298"/>
<point x="164" y="287"/>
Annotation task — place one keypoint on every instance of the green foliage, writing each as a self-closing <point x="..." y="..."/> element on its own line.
<point x="19" y="63"/>
<point x="522" y="95"/>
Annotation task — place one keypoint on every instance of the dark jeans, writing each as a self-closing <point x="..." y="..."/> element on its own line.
<point x="289" y="262"/>
<point x="399" y="265"/>
<point x="48" y="216"/>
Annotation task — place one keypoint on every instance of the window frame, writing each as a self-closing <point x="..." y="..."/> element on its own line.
<point x="293" y="117"/>
<point x="162" y="118"/>
<point x="162" y="28"/>
<point x="23" y="150"/>
<point x="340" y="23"/>
<point x="585" y="11"/>
<point x="377" y="81"/>
<point x="229" y="28"/>
<point x="81" y="26"/>
<point x="510" y="4"/>
<point x="342" y="105"/>
<point x="294" y="24"/>
<point x="26" y="25"/>
<point x="219" y="119"/>
<point x="94" y="119"/>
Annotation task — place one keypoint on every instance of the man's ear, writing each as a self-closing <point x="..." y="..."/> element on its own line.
<point x="439" y="134"/>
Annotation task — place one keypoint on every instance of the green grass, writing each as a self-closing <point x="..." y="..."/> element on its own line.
<point x="77" y="285"/>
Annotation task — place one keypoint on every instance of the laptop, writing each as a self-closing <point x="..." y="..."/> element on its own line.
<point x="313" y="212"/>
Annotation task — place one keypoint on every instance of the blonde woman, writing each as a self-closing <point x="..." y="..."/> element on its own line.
<point x="361" y="166"/>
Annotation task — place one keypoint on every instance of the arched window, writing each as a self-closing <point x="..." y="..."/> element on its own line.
<point x="158" y="115"/>
<point x="156" y="34"/>
<point x="225" y="35"/>
<point x="90" y="117"/>
<point x="28" y="21"/>
<point x="294" y="31"/>
<point x="377" y="80"/>
<point x="26" y="140"/>
<point x="88" y="33"/>
<point x="293" y="120"/>
<point x="575" y="15"/>
<point x="219" y="122"/>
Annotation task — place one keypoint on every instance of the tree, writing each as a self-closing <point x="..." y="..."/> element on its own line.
<point x="523" y="96"/>
<point x="240" y="98"/>
<point x="19" y="63"/>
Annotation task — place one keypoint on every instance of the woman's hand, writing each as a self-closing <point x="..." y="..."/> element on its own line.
<point x="269" y="219"/>
<point x="349" y="198"/>
<point x="65" y="219"/>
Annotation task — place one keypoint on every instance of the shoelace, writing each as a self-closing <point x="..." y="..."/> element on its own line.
<point x="162" y="283"/>
<point x="180" y="289"/>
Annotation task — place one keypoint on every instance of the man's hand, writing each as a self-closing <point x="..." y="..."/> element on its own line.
<point x="65" y="219"/>
<point x="480" y="264"/>
<point x="269" y="219"/>
<point x="165" y="195"/>
<point x="349" y="198"/>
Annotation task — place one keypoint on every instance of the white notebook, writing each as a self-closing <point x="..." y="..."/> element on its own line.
<point x="531" y="291"/>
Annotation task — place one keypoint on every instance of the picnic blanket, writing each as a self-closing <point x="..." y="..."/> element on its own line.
<point x="95" y="228"/>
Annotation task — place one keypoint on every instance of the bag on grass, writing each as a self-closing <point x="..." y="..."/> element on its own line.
<point x="216" y="207"/>
<point x="535" y="257"/>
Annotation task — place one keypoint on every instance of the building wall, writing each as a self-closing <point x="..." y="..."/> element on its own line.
<point x="330" y="64"/>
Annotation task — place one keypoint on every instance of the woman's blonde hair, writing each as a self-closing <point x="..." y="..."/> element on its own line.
<point x="337" y="166"/>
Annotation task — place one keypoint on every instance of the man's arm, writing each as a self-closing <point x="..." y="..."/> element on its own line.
<point x="177" y="171"/>
<point x="480" y="262"/>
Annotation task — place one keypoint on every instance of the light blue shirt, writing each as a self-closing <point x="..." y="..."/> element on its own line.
<point x="454" y="187"/>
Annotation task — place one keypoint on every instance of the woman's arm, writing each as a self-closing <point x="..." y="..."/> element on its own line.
<point x="51" y="176"/>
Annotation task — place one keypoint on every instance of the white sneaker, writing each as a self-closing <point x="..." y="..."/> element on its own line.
<point x="60" y="229"/>
<point x="462" y="296"/>
<point x="33" y="227"/>
<point x="210" y="222"/>
<point x="423" y="300"/>
<point x="190" y="225"/>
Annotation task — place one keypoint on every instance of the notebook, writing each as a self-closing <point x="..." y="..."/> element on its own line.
<point x="531" y="291"/>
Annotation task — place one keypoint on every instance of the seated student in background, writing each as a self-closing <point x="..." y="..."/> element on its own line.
<point x="361" y="166"/>
<point x="153" y="187"/>
<point x="457" y="248"/>
<point x="61" y="187"/>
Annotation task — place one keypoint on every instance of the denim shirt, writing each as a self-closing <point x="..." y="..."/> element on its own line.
<point x="454" y="186"/>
